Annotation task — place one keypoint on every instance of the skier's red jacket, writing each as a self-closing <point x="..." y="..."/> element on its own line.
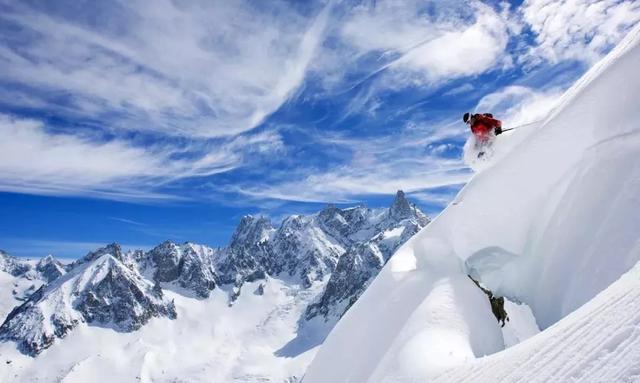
<point x="482" y="125"/>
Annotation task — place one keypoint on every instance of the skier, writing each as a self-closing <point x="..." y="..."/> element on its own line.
<point x="484" y="127"/>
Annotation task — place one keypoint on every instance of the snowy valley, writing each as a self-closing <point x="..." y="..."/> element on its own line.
<point x="253" y="311"/>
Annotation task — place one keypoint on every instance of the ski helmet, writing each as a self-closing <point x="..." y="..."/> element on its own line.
<point x="466" y="117"/>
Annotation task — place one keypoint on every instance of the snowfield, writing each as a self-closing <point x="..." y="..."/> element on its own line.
<point x="211" y="342"/>
<point x="553" y="222"/>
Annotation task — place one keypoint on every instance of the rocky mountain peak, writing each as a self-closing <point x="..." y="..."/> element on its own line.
<point x="365" y="257"/>
<point x="329" y="211"/>
<point x="251" y="231"/>
<point x="401" y="208"/>
<point x="186" y="266"/>
<point x="114" y="249"/>
<point x="334" y="222"/>
<point x="50" y="268"/>
<point x="101" y="290"/>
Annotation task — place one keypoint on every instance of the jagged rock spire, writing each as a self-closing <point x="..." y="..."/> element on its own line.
<point x="401" y="208"/>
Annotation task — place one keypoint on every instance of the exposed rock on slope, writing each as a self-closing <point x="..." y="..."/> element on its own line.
<point x="363" y="260"/>
<point x="50" y="268"/>
<point x="100" y="289"/>
<point x="13" y="265"/>
<point x="187" y="266"/>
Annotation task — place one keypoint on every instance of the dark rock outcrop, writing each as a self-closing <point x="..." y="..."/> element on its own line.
<point x="187" y="266"/>
<point x="50" y="268"/>
<point x="101" y="291"/>
<point x="363" y="260"/>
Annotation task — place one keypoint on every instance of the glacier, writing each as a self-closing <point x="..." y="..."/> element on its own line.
<point x="551" y="222"/>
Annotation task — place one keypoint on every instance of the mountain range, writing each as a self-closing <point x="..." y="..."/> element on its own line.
<point x="325" y="260"/>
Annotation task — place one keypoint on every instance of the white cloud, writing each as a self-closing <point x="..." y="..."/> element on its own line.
<point x="409" y="160"/>
<point x="201" y="69"/>
<point x="577" y="29"/>
<point x="346" y="184"/>
<point x="210" y="71"/>
<point x="461" y="89"/>
<point x="460" y="52"/>
<point x="394" y="26"/>
<point x="519" y="105"/>
<point x="432" y="47"/>
<point x="441" y="199"/>
<point x="414" y="159"/>
<point x="36" y="161"/>
<point x="190" y="78"/>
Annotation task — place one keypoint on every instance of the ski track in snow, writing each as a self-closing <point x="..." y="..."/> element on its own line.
<point x="600" y="342"/>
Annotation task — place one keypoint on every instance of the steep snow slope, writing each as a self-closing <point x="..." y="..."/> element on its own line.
<point x="14" y="290"/>
<point x="599" y="342"/>
<point x="552" y="224"/>
<point x="20" y="278"/>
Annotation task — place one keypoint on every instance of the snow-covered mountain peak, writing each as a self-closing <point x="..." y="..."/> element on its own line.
<point x="188" y="266"/>
<point x="251" y="231"/>
<point x="46" y="260"/>
<point x="113" y="249"/>
<point x="372" y="236"/>
<point x="13" y="265"/>
<point x="50" y="268"/>
<point x="101" y="290"/>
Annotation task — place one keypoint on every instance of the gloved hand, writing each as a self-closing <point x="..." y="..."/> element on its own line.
<point x="498" y="130"/>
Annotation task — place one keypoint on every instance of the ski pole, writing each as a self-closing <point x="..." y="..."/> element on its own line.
<point x="520" y="126"/>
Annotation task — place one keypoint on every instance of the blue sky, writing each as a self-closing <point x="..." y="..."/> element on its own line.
<point x="137" y="122"/>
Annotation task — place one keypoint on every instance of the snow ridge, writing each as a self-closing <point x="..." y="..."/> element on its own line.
<point x="100" y="289"/>
<point x="553" y="224"/>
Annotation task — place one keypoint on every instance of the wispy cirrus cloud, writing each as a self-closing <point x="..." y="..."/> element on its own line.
<point x="133" y="103"/>
<point x="581" y="30"/>
<point x="195" y="68"/>
<point x="423" y="155"/>
<point x="519" y="105"/>
<point x="423" y="158"/>
<point x="414" y="43"/>
<point x="34" y="160"/>
<point x="143" y="96"/>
